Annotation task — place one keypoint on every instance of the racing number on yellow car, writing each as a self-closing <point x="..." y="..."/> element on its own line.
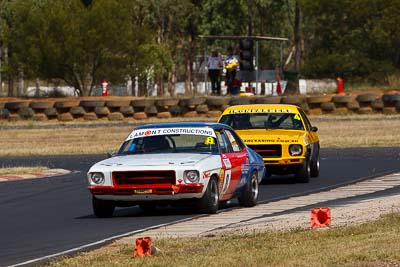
<point x="297" y="117"/>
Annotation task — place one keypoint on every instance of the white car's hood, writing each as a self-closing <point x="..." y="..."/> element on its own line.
<point x="171" y="159"/>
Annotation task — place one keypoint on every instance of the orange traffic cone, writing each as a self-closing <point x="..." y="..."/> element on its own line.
<point x="320" y="217"/>
<point x="142" y="247"/>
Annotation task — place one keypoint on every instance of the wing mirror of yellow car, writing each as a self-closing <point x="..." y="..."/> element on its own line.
<point x="314" y="129"/>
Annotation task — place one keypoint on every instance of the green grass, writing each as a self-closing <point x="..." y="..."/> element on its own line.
<point x="370" y="244"/>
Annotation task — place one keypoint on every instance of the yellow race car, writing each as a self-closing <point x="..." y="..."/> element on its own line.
<point x="281" y="134"/>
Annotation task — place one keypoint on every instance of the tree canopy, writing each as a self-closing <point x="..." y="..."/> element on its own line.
<point x="156" y="41"/>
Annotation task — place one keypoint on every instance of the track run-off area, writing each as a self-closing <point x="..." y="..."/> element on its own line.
<point x="53" y="215"/>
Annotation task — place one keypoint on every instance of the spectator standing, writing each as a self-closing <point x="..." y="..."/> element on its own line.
<point x="214" y="66"/>
<point x="231" y="64"/>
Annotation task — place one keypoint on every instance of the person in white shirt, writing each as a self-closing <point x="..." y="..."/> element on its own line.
<point x="214" y="66"/>
<point x="231" y="65"/>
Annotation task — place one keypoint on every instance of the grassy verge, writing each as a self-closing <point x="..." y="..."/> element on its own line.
<point x="334" y="131"/>
<point x="370" y="244"/>
<point x="21" y="170"/>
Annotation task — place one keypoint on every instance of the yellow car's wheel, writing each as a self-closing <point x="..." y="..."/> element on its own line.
<point x="314" y="171"/>
<point x="302" y="175"/>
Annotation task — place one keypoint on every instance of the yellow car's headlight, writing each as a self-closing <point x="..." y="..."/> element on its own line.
<point x="295" y="150"/>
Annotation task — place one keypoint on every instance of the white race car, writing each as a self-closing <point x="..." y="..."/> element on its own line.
<point x="198" y="163"/>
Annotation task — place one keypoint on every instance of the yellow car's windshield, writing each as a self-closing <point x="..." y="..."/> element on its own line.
<point x="291" y="121"/>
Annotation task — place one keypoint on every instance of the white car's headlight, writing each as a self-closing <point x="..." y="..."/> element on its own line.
<point x="191" y="176"/>
<point x="295" y="150"/>
<point x="96" y="178"/>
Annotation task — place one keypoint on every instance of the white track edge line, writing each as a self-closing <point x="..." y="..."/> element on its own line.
<point x="93" y="244"/>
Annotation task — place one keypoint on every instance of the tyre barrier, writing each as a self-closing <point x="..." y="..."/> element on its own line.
<point x="239" y="101"/>
<point x="16" y="105"/>
<point x="90" y="104"/>
<point x="39" y="117"/>
<point x="116" y="105"/>
<point x="293" y="100"/>
<point x="140" y="116"/>
<point x="139" y="104"/>
<point x="390" y="100"/>
<point x="164" y="115"/>
<point x="115" y="116"/>
<point x="166" y="103"/>
<point x="268" y="100"/>
<point x="41" y="105"/>
<point x="4" y="114"/>
<point x="77" y="112"/>
<point x="26" y="113"/>
<point x="127" y="111"/>
<point x="151" y="111"/>
<point x="127" y="108"/>
<point x="176" y="111"/>
<point x="316" y="101"/>
<point x="90" y="116"/>
<point x="51" y="113"/>
<point x="353" y="106"/>
<point x="328" y="107"/>
<point x="191" y="103"/>
<point x="101" y="111"/>
<point x="65" y="117"/>
<point x="66" y="104"/>
<point x="202" y="109"/>
<point x="343" y="99"/>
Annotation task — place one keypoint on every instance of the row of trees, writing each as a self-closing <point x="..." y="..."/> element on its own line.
<point x="82" y="42"/>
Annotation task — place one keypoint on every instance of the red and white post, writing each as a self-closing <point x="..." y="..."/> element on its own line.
<point x="104" y="86"/>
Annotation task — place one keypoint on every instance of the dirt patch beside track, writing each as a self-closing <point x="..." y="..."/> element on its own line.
<point x="33" y="175"/>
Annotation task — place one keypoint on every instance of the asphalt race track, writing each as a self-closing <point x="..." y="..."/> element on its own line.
<point x="40" y="217"/>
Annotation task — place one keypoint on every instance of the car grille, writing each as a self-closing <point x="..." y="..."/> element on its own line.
<point x="144" y="177"/>
<point x="268" y="151"/>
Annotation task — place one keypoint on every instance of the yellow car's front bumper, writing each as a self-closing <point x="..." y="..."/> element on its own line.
<point x="283" y="161"/>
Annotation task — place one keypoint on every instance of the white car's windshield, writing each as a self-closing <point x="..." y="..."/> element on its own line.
<point x="170" y="143"/>
<point x="263" y="121"/>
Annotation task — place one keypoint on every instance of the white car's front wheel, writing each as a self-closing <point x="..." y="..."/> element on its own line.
<point x="102" y="208"/>
<point x="209" y="202"/>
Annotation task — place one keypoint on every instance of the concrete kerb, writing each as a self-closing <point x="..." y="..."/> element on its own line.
<point x="241" y="217"/>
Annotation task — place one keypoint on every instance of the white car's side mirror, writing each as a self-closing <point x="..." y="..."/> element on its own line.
<point x="110" y="153"/>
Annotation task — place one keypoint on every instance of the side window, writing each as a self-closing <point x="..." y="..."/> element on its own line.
<point x="226" y="119"/>
<point x="234" y="141"/>
<point x="223" y="142"/>
<point x="305" y="119"/>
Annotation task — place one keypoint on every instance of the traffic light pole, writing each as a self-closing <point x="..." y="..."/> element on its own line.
<point x="281" y="61"/>
<point x="256" y="39"/>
